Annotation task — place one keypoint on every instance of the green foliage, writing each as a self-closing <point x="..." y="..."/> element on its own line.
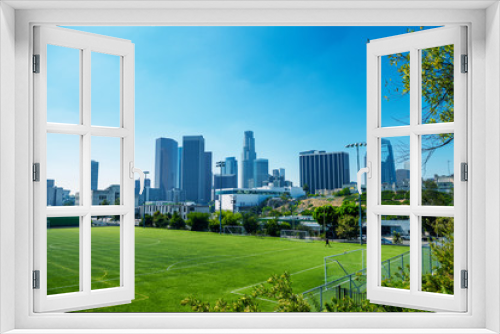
<point x="348" y="227"/>
<point x="278" y="287"/>
<point x="344" y="192"/>
<point x="176" y="222"/>
<point x="198" y="221"/>
<point x="326" y="215"/>
<point x="272" y="228"/>
<point x="305" y="187"/>
<point x="307" y="212"/>
<point x="147" y="221"/>
<point x="250" y="222"/>
<point x="285" y="226"/>
<point x="105" y="202"/>
<point x="432" y="196"/>
<point x="160" y="220"/>
<point x="396" y="238"/>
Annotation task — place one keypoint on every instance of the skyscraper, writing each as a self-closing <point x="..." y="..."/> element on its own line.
<point x="207" y="193"/>
<point x="166" y="165"/>
<point x="94" y="175"/>
<point x="231" y="167"/>
<point x="387" y="167"/>
<point x="247" y="158"/>
<point x="324" y="171"/>
<point x="193" y="167"/>
<point x="179" y="170"/>
<point x="261" y="172"/>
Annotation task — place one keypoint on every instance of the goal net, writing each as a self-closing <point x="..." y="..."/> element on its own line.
<point x="295" y="235"/>
<point x="234" y="230"/>
<point x="341" y="265"/>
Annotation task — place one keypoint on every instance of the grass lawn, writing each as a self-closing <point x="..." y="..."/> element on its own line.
<point x="171" y="265"/>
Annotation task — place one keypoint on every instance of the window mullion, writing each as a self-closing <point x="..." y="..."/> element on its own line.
<point x="415" y="112"/>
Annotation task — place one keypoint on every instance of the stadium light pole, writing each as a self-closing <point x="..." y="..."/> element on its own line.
<point x="144" y="202"/>
<point x="358" y="145"/>
<point x="220" y="164"/>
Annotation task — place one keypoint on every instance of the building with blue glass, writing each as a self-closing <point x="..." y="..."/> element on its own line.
<point x="261" y="172"/>
<point x="94" y="174"/>
<point x="247" y="159"/>
<point x="387" y="164"/>
<point x="166" y="165"/>
<point x="193" y="168"/>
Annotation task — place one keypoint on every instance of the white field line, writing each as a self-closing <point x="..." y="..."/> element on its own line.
<point x="250" y="286"/>
<point x="192" y="266"/>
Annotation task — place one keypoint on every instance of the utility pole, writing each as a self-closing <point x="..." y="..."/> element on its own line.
<point x="358" y="145"/>
<point x="220" y="164"/>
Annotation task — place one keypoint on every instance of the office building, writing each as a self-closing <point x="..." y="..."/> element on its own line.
<point x="179" y="169"/>
<point x="207" y="193"/>
<point x="387" y="165"/>
<point x="193" y="168"/>
<point x="225" y="181"/>
<point x="231" y="167"/>
<point x="320" y="170"/>
<point x="261" y="172"/>
<point x="94" y="175"/>
<point x="166" y="164"/>
<point x="247" y="159"/>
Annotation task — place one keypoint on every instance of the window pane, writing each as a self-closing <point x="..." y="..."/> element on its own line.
<point x="63" y="169"/>
<point x="395" y="251"/>
<point x="105" y="89"/>
<point x="437" y="84"/>
<point x="105" y="171"/>
<point x="105" y="246"/>
<point x="437" y="170"/>
<point x="63" y="85"/>
<point x="395" y="170"/>
<point x="437" y="254"/>
<point x="395" y="92"/>
<point x="63" y="255"/>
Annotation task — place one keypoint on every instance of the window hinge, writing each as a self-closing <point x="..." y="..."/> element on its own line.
<point x="36" y="172"/>
<point x="36" y="279"/>
<point x="464" y="171"/>
<point x="465" y="63"/>
<point x="36" y="63"/>
<point x="465" y="279"/>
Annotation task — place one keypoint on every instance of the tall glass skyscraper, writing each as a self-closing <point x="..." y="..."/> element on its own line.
<point x="261" y="172"/>
<point x="324" y="171"/>
<point x="247" y="158"/>
<point x="94" y="174"/>
<point x="166" y="165"/>
<point x="193" y="168"/>
<point x="207" y="193"/>
<point x="231" y="167"/>
<point x="388" y="166"/>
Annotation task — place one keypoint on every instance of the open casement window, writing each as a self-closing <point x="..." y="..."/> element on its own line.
<point x="71" y="129"/>
<point x="422" y="75"/>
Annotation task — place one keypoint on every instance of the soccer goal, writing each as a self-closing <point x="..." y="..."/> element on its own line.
<point x="234" y="230"/>
<point x="344" y="264"/>
<point x="295" y="235"/>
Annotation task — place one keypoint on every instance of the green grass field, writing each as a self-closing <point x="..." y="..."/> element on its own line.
<point x="171" y="265"/>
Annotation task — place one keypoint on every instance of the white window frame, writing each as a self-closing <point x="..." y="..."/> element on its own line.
<point x="414" y="43"/>
<point x="86" y="43"/>
<point x="484" y="50"/>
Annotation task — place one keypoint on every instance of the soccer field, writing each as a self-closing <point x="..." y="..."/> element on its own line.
<point x="171" y="265"/>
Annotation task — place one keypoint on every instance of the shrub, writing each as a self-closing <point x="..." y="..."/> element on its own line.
<point x="198" y="221"/>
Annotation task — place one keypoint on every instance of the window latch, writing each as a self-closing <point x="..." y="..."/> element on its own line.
<point x="465" y="64"/>
<point x="368" y="172"/>
<point x="464" y="171"/>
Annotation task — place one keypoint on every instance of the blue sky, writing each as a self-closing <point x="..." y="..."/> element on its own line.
<point x="297" y="88"/>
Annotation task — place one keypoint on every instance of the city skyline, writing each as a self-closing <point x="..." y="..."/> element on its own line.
<point x="282" y="83"/>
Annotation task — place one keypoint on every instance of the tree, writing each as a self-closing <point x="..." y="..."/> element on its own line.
<point x="348" y="227"/>
<point x="250" y="222"/>
<point x="326" y="215"/>
<point x="305" y="187"/>
<point x="396" y="238"/>
<point x="104" y="202"/>
<point x="176" y="222"/>
<point x="147" y="221"/>
<point x="437" y="90"/>
<point x="198" y="221"/>
<point x="160" y="220"/>
<point x="272" y="228"/>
